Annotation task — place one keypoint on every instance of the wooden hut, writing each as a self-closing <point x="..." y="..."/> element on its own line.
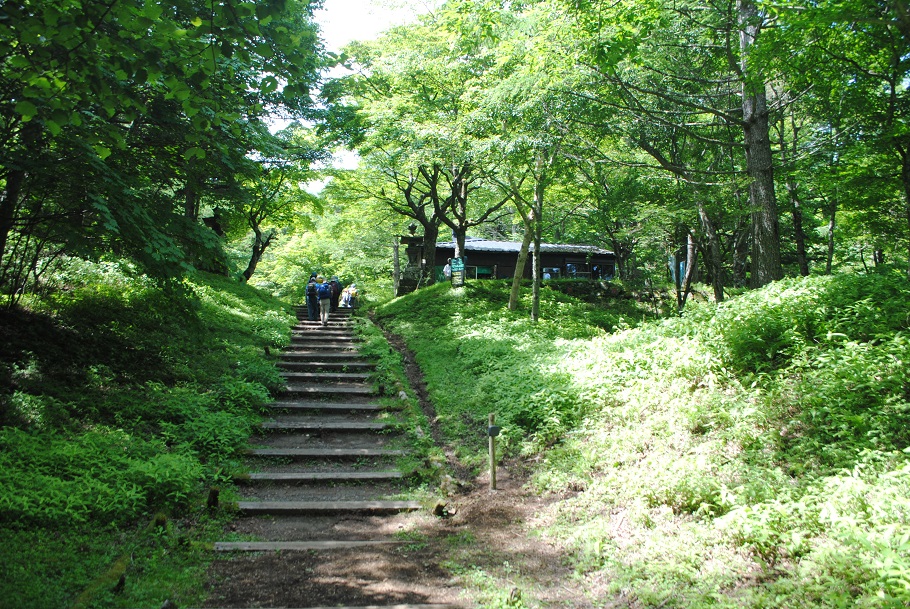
<point x="486" y="259"/>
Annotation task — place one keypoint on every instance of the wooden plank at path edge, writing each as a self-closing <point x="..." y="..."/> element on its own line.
<point x="298" y="546"/>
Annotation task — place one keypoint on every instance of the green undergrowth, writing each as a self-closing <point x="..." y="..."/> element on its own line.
<point x="122" y="405"/>
<point x="480" y="358"/>
<point x="747" y="454"/>
<point x="421" y="463"/>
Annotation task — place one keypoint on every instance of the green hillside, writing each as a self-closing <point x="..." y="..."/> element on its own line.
<point x="747" y="454"/>
<point x="122" y="406"/>
<point x="751" y="454"/>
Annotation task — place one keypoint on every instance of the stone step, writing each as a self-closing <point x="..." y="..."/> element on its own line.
<point x="325" y="377"/>
<point x="313" y="354"/>
<point x="323" y="426"/>
<point x="399" y="606"/>
<point x="328" y="389"/>
<point x="325" y="342"/>
<point x="311" y="406"/>
<point x="297" y="546"/>
<point x="324" y="453"/>
<point x="323" y="337"/>
<point x="324" y="332"/>
<point x="343" y="350"/>
<point x="320" y="363"/>
<point x="250" y="508"/>
<point x="302" y="307"/>
<point x="333" y="319"/>
<point x="339" y="476"/>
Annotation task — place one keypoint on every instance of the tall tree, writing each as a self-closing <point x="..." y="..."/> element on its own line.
<point x="673" y="72"/>
<point x="107" y="96"/>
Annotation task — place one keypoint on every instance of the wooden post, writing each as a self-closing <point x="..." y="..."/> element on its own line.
<point x="396" y="267"/>
<point x="492" y="453"/>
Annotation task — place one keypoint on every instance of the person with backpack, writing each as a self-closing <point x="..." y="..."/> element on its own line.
<point x="312" y="301"/>
<point x="349" y="296"/>
<point x="336" y="292"/>
<point x="324" y="293"/>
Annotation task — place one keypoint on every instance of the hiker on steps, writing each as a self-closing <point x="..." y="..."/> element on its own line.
<point x="336" y="292"/>
<point x="324" y="292"/>
<point x="349" y="296"/>
<point x="312" y="301"/>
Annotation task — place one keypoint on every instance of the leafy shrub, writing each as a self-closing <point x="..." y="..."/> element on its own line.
<point x="238" y="395"/>
<point x="38" y="411"/>
<point x="546" y="415"/>
<point x="100" y="475"/>
<point x="853" y="526"/>
<point x="120" y="397"/>
<point x="766" y="329"/>
<point x="254" y="369"/>
<point x="214" y="436"/>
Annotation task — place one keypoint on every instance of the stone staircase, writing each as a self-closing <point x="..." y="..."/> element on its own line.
<point x="322" y="473"/>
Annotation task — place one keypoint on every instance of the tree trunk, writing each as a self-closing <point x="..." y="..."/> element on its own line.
<point x="715" y="259"/>
<point x="396" y="267"/>
<point x="540" y="186"/>
<point x="905" y="178"/>
<point x="428" y="263"/>
<point x="878" y="256"/>
<point x="622" y="249"/>
<point x="9" y="201"/>
<point x="685" y="284"/>
<point x="191" y="200"/>
<point x="536" y="273"/>
<point x="799" y="235"/>
<point x="10" y="196"/>
<point x="766" y="265"/>
<point x="832" y="225"/>
<point x="460" y="236"/>
<point x="520" y="267"/>
<point x="259" y="247"/>
<point x="740" y="252"/>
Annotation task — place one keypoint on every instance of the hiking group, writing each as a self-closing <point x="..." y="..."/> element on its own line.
<point x="322" y="297"/>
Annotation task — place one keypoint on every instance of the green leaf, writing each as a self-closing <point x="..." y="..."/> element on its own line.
<point x="40" y="83"/>
<point x="26" y="109"/>
<point x="194" y="152"/>
<point x="60" y="117"/>
<point x="201" y="123"/>
<point x="268" y="85"/>
<point x="53" y="127"/>
<point x="152" y="10"/>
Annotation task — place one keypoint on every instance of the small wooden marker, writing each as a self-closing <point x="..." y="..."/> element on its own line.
<point x="492" y="432"/>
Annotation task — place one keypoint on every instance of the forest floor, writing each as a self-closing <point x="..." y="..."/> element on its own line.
<point x="477" y="549"/>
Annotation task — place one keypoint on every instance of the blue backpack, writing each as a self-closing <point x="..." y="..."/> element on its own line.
<point x="323" y="291"/>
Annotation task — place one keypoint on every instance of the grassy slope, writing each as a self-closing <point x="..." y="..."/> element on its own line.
<point x="747" y="455"/>
<point x="121" y="402"/>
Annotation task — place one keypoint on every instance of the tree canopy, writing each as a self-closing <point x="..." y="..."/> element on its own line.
<point x="121" y="122"/>
<point x="770" y="137"/>
<point x="752" y="140"/>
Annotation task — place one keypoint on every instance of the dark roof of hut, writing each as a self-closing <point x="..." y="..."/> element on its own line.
<point x="486" y="245"/>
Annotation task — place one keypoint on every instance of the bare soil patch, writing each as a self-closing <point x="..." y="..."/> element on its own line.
<point x="486" y="531"/>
